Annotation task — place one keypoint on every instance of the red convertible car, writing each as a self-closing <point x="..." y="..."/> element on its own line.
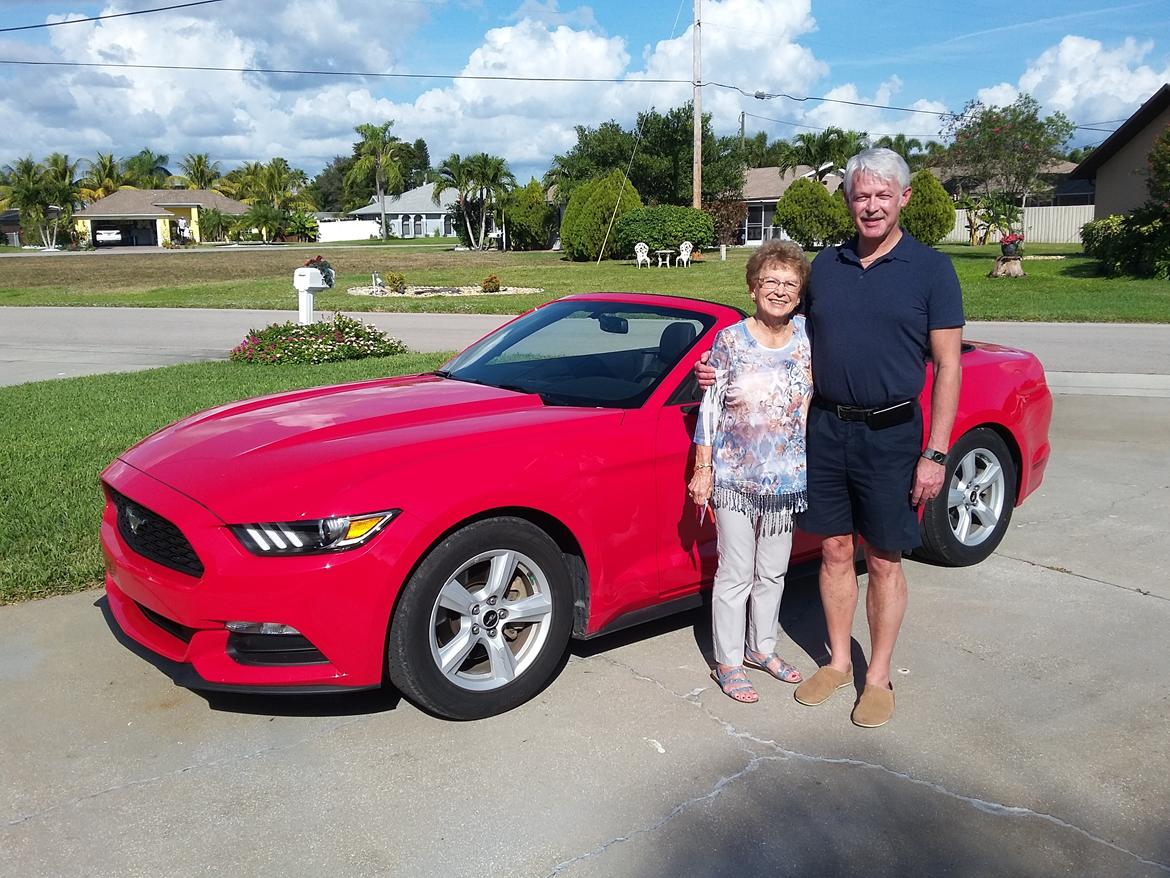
<point x="450" y="532"/>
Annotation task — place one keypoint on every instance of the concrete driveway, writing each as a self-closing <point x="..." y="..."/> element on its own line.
<point x="1030" y="736"/>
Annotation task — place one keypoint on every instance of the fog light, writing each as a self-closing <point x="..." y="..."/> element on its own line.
<point x="260" y="628"/>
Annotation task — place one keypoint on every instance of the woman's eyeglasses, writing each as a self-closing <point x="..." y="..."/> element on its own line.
<point x="770" y="285"/>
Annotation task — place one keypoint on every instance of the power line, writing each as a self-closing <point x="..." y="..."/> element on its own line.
<point x="822" y="128"/>
<point x="759" y="95"/>
<point x="203" y="68"/>
<point x="943" y="114"/>
<point x="4" y="30"/>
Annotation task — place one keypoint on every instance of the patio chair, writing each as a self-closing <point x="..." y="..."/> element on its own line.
<point x="684" y="254"/>
<point x="641" y="254"/>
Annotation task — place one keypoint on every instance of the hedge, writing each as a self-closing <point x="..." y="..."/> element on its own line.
<point x="665" y="227"/>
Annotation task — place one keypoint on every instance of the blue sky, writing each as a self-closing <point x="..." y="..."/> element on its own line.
<point x="1094" y="63"/>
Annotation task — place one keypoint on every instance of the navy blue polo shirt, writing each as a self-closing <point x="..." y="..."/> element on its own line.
<point x="870" y="327"/>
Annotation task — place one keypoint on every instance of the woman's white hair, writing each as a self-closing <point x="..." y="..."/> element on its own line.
<point x="881" y="163"/>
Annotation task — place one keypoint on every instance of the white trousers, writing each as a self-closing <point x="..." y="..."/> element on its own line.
<point x="750" y="576"/>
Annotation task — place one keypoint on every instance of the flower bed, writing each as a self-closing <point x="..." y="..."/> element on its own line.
<point x="343" y="339"/>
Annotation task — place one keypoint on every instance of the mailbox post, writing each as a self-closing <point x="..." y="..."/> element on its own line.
<point x="307" y="281"/>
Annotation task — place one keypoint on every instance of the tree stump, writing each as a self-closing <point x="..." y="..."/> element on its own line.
<point x="1008" y="266"/>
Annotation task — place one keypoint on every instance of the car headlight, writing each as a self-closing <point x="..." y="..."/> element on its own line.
<point x="335" y="534"/>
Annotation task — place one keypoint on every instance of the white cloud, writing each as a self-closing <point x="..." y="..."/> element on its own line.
<point x="877" y="122"/>
<point x="1085" y="80"/>
<point x="752" y="44"/>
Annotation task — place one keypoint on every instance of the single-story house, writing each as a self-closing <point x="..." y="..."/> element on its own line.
<point x="413" y="214"/>
<point x="1061" y="189"/>
<point x="1119" y="167"/>
<point x="10" y="227"/>
<point x="151" y="217"/>
<point x="762" y="188"/>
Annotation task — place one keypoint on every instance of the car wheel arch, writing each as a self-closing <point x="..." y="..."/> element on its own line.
<point x="1009" y="439"/>
<point x="552" y="526"/>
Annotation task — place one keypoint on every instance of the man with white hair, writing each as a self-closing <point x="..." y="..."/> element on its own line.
<point x="878" y="306"/>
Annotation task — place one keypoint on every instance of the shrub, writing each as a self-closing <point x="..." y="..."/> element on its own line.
<point x="664" y="227"/>
<point x="811" y="216"/>
<point x="1138" y="244"/>
<point x="490" y="284"/>
<point x="930" y="214"/>
<point x="588" y="214"/>
<point x="1158" y="183"/>
<point x="727" y="215"/>
<point x="530" y="218"/>
<point x="343" y="339"/>
<point x="394" y="281"/>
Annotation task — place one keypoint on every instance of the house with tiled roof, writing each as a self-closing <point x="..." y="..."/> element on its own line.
<point x="151" y="217"/>
<point x="762" y="188"/>
<point x="413" y="214"/>
<point x="1119" y="167"/>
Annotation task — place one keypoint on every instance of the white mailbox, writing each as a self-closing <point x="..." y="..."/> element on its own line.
<point x="307" y="282"/>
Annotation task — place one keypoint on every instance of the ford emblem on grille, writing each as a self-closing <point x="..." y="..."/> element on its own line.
<point x="134" y="518"/>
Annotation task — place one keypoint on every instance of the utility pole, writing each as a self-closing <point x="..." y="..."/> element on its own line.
<point x="697" y="168"/>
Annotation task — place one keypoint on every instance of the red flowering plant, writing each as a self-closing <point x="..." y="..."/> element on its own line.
<point x="327" y="273"/>
<point x="1012" y="238"/>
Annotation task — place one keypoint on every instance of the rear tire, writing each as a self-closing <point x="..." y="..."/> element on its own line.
<point x="484" y="621"/>
<point x="968" y="519"/>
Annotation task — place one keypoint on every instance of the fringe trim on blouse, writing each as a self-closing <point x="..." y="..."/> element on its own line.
<point x="774" y="513"/>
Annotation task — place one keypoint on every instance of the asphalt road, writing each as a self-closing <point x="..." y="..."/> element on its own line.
<point x="43" y="343"/>
<point x="1030" y="736"/>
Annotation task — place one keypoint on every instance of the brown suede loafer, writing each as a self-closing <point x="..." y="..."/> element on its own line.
<point x="874" y="708"/>
<point x="817" y="688"/>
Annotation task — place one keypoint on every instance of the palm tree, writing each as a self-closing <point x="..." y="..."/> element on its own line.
<point x="454" y="173"/>
<point x="906" y="147"/>
<point x="243" y="183"/>
<point x="24" y="189"/>
<point x="492" y="180"/>
<point x="62" y="190"/>
<point x="149" y="170"/>
<point x="269" y="220"/>
<point x="816" y="149"/>
<point x="104" y="177"/>
<point x="379" y="153"/>
<point x="846" y="145"/>
<point x="199" y="172"/>
<point x="284" y="187"/>
<point x="214" y="224"/>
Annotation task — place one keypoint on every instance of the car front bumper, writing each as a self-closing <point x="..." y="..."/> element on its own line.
<point x="339" y="603"/>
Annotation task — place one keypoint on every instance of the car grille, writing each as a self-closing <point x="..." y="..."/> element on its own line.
<point x="153" y="537"/>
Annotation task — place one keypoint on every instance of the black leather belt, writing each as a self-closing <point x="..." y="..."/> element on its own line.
<point x="877" y="417"/>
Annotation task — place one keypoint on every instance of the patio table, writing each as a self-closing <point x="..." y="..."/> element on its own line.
<point x="664" y="257"/>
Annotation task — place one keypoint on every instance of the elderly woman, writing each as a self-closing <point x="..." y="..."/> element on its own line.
<point x="750" y="464"/>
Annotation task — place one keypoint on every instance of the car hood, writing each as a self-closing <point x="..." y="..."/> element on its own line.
<point x="294" y="455"/>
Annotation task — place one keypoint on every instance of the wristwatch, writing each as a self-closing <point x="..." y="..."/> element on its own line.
<point x="936" y="456"/>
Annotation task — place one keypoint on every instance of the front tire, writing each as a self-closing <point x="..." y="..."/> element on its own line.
<point x="484" y="621"/>
<point x="967" y="521"/>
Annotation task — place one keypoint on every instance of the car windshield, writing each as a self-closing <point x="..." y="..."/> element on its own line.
<point x="608" y="354"/>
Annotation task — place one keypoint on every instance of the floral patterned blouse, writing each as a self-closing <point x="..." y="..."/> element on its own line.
<point x="754" y="416"/>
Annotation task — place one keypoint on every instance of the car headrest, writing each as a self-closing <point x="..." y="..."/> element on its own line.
<point x="676" y="338"/>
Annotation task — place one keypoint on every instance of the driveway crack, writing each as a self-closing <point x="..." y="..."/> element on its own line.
<point x="1144" y="592"/>
<point x="781" y="753"/>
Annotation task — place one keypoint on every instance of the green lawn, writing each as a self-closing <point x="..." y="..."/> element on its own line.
<point x="1066" y="289"/>
<point x="57" y="436"/>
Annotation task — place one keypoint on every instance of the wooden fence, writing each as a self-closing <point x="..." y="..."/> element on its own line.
<point x="1042" y="225"/>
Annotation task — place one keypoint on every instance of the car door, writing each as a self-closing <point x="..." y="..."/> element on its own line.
<point x="686" y="545"/>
